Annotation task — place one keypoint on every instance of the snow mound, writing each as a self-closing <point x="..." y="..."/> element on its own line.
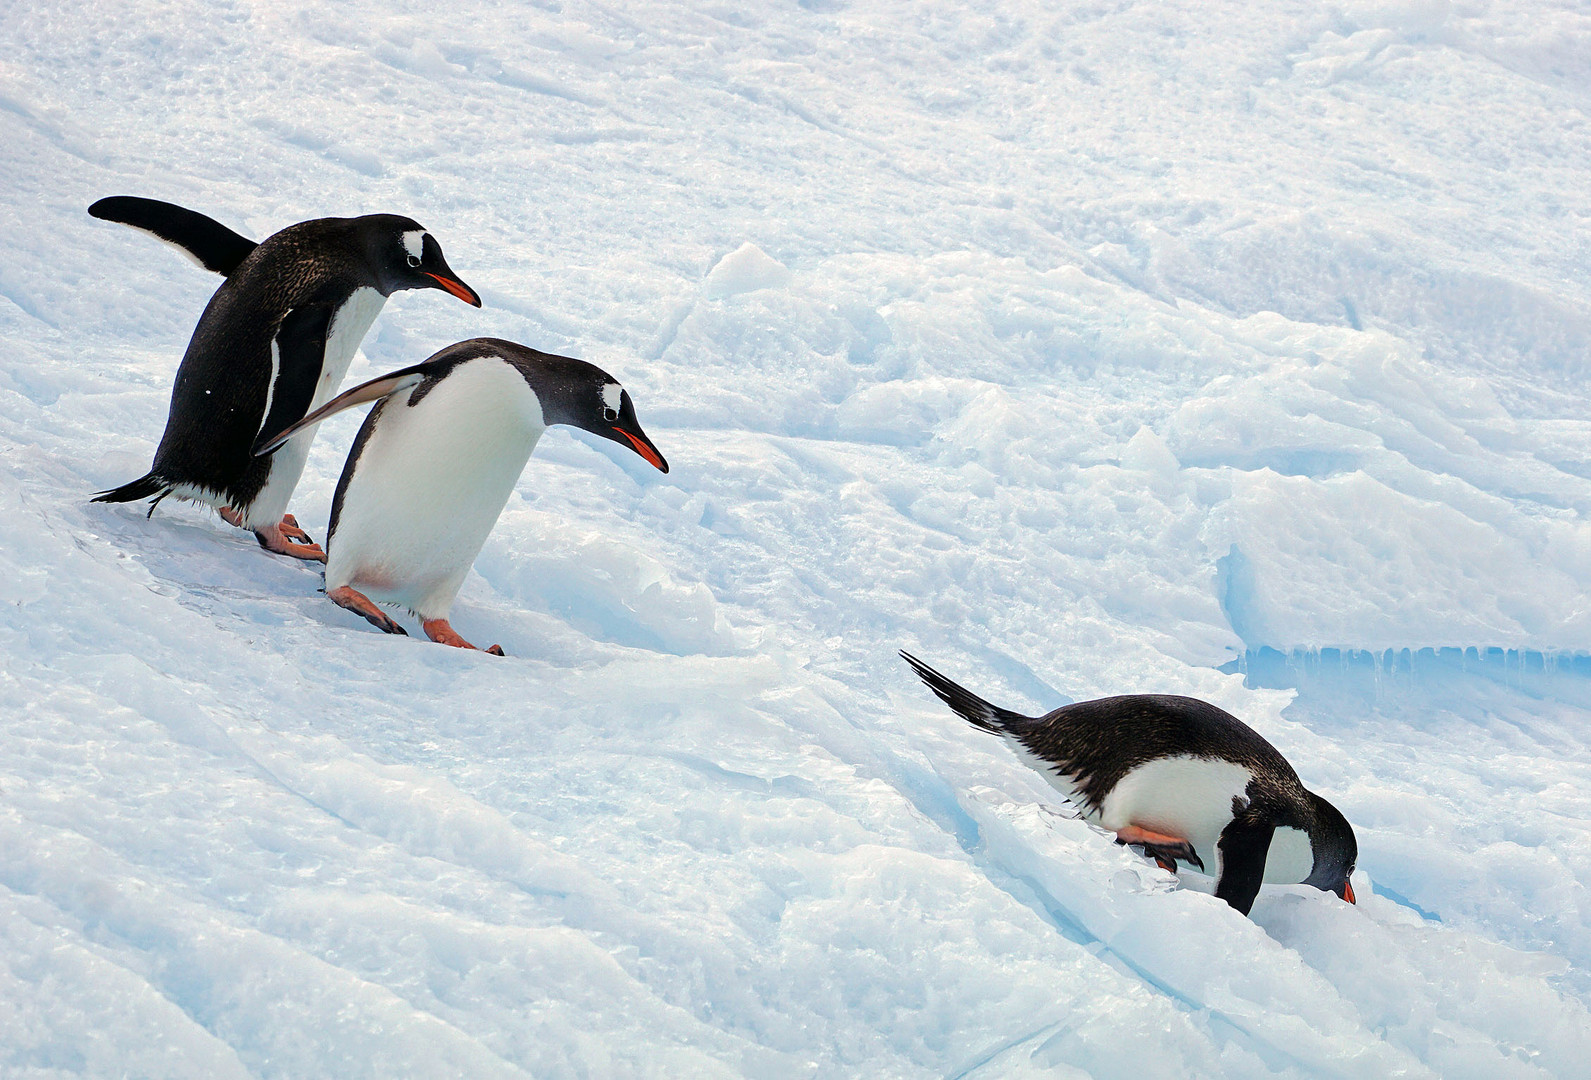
<point x="746" y="269"/>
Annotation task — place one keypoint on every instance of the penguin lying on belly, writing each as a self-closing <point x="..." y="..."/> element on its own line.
<point x="435" y="461"/>
<point x="1180" y="779"/>
<point x="274" y="342"/>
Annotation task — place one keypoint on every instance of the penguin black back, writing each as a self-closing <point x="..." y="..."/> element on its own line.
<point x="1099" y="742"/>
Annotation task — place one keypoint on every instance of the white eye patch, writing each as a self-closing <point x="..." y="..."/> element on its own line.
<point x="414" y="242"/>
<point x="611" y="396"/>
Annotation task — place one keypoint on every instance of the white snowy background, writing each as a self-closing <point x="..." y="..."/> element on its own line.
<point x="1081" y="348"/>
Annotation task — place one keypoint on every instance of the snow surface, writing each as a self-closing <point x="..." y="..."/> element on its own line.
<point x="1080" y="348"/>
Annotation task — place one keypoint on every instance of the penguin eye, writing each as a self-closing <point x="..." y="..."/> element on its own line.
<point x="414" y="260"/>
<point x="609" y="415"/>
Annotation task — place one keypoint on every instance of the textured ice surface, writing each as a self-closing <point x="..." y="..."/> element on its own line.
<point x="1080" y="348"/>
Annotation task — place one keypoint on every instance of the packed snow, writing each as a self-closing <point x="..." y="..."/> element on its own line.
<point x="1227" y="349"/>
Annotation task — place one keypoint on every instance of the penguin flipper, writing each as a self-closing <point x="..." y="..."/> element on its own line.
<point x="374" y="390"/>
<point x="298" y="352"/>
<point x="1244" y="845"/>
<point x="203" y="239"/>
<point x="968" y="705"/>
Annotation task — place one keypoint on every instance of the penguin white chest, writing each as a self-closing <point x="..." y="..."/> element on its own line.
<point x="1185" y="796"/>
<point x="1291" y="858"/>
<point x="429" y="483"/>
<point x="1192" y="798"/>
<point x="348" y="327"/>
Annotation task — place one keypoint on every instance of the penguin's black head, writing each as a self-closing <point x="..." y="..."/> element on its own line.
<point x="605" y="409"/>
<point x="620" y="425"/>
<point x="405" y="256"/>
<point x="1336" y="850"/>
<point x="582" y="395"/>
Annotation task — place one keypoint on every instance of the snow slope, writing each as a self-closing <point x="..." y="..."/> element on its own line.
<point x="1081" y="349"/>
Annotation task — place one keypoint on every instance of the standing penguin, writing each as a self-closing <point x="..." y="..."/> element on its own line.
<point x="435" y="462"/>
<point x="1180" y="779"/>
<point x="274" y="342"/>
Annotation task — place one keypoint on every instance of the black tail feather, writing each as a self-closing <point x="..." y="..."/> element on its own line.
<point x="144" y="487"/>
<point x="968" y="705"/>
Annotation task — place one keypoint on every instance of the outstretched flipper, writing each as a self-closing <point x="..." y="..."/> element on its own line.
<point x="373" y="390"/>
<point x="1244" y="845"/>
<point x="204" y="240"/>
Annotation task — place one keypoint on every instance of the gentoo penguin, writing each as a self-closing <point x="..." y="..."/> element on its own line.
<point x="1180" y="779"/>
<point x="273" y="343"/>
<point x="435" y="461"/>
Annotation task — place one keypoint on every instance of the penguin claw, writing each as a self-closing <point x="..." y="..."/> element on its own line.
<point x="1166" y="857"/>
<point x="361" y="605"/>
<point x="231" y="516"/>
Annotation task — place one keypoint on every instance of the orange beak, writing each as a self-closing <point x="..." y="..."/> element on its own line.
<point x="652" y="456"/>
<point x="1347" y="893"/>
<point x="457" y="288"/>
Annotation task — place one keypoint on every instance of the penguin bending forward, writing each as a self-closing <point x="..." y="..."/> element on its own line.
<point x="1179" y="779"/>
<point x="435" y="462"/>
<point x="274" y="342"/>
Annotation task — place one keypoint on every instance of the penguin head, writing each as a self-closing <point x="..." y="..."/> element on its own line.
<point x="1335" y="849"/>
<point x="582" y="395"/>
<point x="405" y="256"/>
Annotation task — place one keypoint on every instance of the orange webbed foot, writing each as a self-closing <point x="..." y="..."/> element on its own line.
<point x="275" y="538"/>
<point x="360" y="604"/>
<point x="289" y="528"/>
<point x="1163" y="849"/>
<point x="439" y="631"/>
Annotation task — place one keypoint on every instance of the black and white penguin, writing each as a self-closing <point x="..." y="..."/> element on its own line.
<point x="435" y="461"/>
<point x="274" y="342"/>
<point x="1180" y="779"/>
